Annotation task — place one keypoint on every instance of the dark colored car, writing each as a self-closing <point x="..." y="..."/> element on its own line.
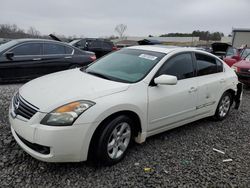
<point x="100" y="47"/>
<point x="242" y="69"/>
<point x="219" y="49"/>
<point x="25" y="59"/>
<point x="235" y="55"/>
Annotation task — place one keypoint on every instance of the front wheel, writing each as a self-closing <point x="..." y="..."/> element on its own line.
<point x="114" y="140"/>
<point x="224" y="106"/>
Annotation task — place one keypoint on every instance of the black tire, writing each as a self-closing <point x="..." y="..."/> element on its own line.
<point x="102" y="153"/>
<point x="224" y="106"/>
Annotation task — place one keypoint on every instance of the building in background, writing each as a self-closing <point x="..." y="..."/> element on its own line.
<point x="241" y="37"/>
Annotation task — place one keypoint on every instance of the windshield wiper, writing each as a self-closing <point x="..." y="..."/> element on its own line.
<point x="98" y="74"/>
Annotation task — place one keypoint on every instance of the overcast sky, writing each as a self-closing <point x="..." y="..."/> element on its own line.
<point x="97" y="18"/>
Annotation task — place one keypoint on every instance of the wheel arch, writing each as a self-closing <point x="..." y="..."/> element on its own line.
<point x="137" y="128"/>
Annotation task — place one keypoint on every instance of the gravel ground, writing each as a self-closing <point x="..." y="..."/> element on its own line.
<point x="182" y="157"/>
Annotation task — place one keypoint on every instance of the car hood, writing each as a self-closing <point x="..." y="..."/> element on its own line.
<point x="243" y="64"/>
<point x="51" y="91"/>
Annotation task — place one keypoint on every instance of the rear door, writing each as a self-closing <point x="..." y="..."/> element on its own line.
<point x="107" y="47"/>
<point x="210" y="81"/>
<point x="54" y="58"/>
<point x="96" y="46"/>
<point x="23" y="64"/>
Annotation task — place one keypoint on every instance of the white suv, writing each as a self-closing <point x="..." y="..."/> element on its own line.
<point x="130" y="94"/>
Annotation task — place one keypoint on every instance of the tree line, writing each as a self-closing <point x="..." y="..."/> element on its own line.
<point x="204" y="35"/>
<point x="13" y="32"/>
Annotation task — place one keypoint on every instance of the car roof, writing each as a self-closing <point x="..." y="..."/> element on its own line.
<point x="36" y="40"/>
<point x="166" y="49"/>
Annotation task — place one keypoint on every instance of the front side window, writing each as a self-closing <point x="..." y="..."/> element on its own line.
<point x="205" y="64"/>
<point x="68" y="50"/>
<point x="28" y="49"/>
<point x="53" y="49"/>
<point x="180" y="66"/>
<point x="126" y="65"/>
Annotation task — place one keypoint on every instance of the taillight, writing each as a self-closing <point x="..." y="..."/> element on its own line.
<point x="93" y="57"/>
<point x="114" y="48"/>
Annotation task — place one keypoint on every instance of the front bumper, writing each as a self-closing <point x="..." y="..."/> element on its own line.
<point x="244" y="78"/>
<point x="52" y="144"/>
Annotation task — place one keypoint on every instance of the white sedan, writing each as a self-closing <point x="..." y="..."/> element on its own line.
<point x="131" y="94"/>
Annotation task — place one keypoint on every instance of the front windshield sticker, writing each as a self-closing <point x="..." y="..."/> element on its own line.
<point x="149" y="57"/>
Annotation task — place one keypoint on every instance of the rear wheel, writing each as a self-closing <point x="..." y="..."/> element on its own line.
<point x="224" y="106"/>
<point x="114" y="140"/>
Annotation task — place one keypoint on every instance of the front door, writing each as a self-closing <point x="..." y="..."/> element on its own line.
<point x="169" y="104"/>
<point x="22" y="64"/>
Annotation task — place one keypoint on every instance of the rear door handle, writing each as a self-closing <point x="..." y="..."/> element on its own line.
<point x="192" y="89"/>
<point x="37" y="59"/>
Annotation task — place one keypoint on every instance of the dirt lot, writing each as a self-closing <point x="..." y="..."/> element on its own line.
<point x="180" y="157"/>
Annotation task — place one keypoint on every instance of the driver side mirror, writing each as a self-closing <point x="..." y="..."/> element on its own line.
<point x="166" y="80"/>
<point x="9" y="55"/>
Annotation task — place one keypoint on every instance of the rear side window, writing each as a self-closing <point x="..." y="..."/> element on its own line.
<point x="68" y="50"/>
<point x="205" y="64"/>
<point x="28" y="49"/>
<point x="94" y="44"/>
<point x="53" y="49"/>
<point x="180" y="66"/>
<point x="219" y="66"/>
<point x="107" y="45"/>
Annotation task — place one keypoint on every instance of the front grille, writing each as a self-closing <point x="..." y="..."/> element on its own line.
<point x="23" y="107"/>
<point x="245" y="70"/>
<point x="36" y="147"/>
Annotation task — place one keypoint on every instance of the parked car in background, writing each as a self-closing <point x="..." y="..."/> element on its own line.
<point x="25" y="59"/>
<point x="242" y="69"/>
<point x="3" y="40"/>
<point x="235" y="55"/>
<point x="100" y="47"/>
<point x="219" y="49"/>
<point x="130" y="94"/>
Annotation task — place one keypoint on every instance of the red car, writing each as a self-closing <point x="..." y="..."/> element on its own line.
<point x="242" y="69"/>
<point x="235" y="55"/>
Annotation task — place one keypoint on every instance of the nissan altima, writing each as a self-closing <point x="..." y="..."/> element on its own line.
<point x="125" y="96"/>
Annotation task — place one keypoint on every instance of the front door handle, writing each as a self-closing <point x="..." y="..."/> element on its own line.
<point x="37" y="59"/>
<point x="192" y="89"/>
<point x="68" y="57"/>
<point x="222" y="80"/>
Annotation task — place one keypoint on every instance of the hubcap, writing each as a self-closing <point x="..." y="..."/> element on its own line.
<point x="119" y="140"/>
<point x="224" y="106"/>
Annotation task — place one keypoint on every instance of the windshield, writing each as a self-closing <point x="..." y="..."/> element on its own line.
<point x="126" y="65"/>
<point x="245" y="52"/>
<point x="7" y="45"/>
<point x="248" y="57"/>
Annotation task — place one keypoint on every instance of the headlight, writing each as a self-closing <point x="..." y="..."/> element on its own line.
<point x="67" y="114"/>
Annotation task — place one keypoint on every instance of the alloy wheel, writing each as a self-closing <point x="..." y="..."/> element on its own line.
<point x="119" y="140"/>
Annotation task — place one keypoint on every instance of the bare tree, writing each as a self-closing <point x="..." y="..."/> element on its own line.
<point x="33" y="32"/>
<point x="120" y="29"/>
